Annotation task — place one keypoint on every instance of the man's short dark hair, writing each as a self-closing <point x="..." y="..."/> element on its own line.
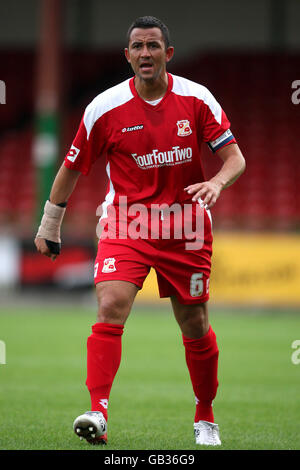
<point x="150" y="22"/>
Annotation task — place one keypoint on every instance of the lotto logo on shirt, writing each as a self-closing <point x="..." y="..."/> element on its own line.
<point x="138" y="127"/>
<point x="72" y="154"/>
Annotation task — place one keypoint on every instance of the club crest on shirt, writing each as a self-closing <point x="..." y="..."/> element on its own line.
<point x="109" y="265"/>
<point x="183" y="128"/>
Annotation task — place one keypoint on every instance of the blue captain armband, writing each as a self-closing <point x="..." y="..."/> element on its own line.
<point x="224" y="139"/>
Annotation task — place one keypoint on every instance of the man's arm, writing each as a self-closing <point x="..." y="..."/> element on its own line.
<point x="233" y="166"/>
<point x="63" y="185"/>
<point x="62" y="188"/>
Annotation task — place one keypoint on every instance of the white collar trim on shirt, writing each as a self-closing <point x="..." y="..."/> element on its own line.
<point x="154" y="102"/>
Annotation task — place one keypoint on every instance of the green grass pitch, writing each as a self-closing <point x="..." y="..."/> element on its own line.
<point x="42" y="384"/>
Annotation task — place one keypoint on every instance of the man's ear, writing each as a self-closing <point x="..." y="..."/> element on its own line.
<point x="169" y="53"/>
<point x="126" y="52"/>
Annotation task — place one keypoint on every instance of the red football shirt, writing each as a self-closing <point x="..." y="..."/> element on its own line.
<point x="152" y="152"/>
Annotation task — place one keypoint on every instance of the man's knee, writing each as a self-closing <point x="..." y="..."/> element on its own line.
<point x="197" y="325"/>
<point x="192" y="319"/>
<point x="114" y="303"/>
<point x="111" y="308"/>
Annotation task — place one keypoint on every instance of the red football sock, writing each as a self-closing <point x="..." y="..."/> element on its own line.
<point x="202" y="361"/>
<point x="104" y="348"/>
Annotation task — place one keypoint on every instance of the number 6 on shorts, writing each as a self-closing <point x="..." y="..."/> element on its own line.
<point x="196" y="285"/>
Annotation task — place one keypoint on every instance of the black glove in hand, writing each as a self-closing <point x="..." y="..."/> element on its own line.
<point x="53" y="247"/>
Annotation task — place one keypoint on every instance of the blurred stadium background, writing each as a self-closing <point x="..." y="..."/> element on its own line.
<point x="55" y="56"/>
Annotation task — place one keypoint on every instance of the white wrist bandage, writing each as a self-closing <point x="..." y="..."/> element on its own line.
<point x="51" y="222"/>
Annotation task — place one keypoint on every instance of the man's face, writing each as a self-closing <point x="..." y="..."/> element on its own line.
<point x="147" y="53"/>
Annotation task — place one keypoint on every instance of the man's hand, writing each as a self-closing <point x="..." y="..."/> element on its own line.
<point x="208" y="191"/>
<point x="42" y="247"/>
<point x="232" y="168"/>
<point x="47" y="240"/>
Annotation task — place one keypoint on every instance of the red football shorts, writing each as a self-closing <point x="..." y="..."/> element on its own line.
<point x="180" y="272"/>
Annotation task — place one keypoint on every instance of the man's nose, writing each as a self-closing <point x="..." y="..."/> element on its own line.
<point x="145" y="51"/>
